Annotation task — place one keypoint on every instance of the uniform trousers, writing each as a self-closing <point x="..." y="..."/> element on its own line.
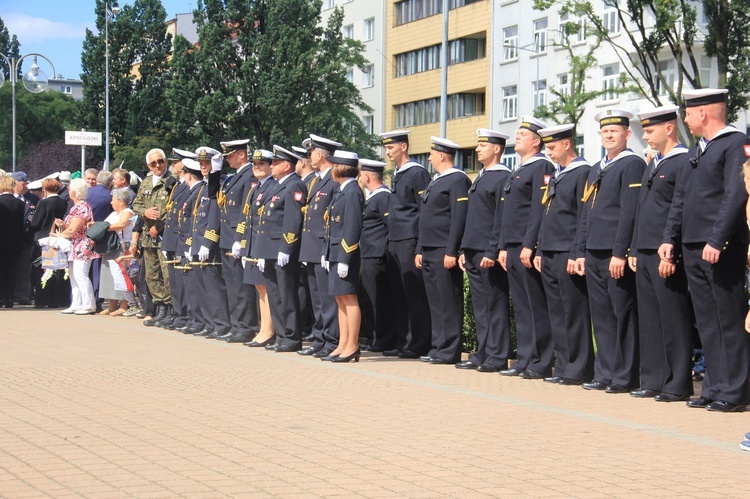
<point x="533" y="335"/>
<point x="325" y="329"/>
<point x="377" y="300"/>
<point x="665" y="328"/>
<point x="720" y="303"/>
<point x="157" y="276"/>
<point x="446" y="302"/>
<point x="281" y="284"/>
<point x="215" y="299"/>
<point x="411" y="310"/>
<point x="177" y="289"/>
<point x="570" y="317"/>
<point x="306" y="318"/>
<point x="490" y="297"/>
<point x="242" y="300"/>
<point x="195" y="291"/>
<point x="614" y="316"/>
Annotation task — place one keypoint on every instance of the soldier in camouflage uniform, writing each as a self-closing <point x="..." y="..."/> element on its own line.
<point x="151" y="204"/>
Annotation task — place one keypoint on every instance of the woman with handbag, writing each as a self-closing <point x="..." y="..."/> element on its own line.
<point x="54" y="292"/>
<point x="121" y="222"/>
<point x="82" y="249"/>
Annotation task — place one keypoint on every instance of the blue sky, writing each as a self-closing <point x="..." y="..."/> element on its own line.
<point x="57" y="29"/>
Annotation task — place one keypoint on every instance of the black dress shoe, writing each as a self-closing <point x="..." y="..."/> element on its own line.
<point x="272" y="346"/>
<point x="529" y="374"/>
<point x="553" y="379"/>
<point x="226" y="336"/>
<point x="670" y="397"/>
<point x="569" y="381"/>
<point x="466" y="365"/>
<point x="214" y="335"/>
<point x="375" y="349"/>
<point x="190" y="330"/>
<point x="392" y="353"/>
<point x="722" y="406"/>
<point x="204" y="332"/>
<point x="438" y="360"/>
<point x="700" y="402"/>
<point x="616" y="389"/>
<point x="511" y="372"/>
<point x="286" y="348"/>
<point x="308" y="351"/>
<point x="329" y="357"/>
<point x="323" y="352"/>
<point x="407" y="355"/>
<point x="348" y="358"/>
<point x="237" y="338"/>
<point x="595" y="385"/>
<point x="308" y="337"/>
<point x="644" y="393"/>
<point x="488" y="368"/>
<point x="264" y="343"/>
<point x="425" y="358"/>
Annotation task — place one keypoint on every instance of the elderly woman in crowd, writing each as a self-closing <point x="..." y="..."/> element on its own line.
<point x="82" y="249"/>
<point x="121" y="222"/>
<point x="56" y="290"/>
<point x="11" y="228"/>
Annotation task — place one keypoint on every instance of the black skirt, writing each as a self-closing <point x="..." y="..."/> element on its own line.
<point x="348" y="285"/>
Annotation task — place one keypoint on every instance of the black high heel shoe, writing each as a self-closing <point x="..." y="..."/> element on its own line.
<point x="348" y="358"/>
<point x="263" y="343"/>
<point x="329" y="357"/>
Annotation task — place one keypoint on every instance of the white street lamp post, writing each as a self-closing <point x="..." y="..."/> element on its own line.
<point x="110" y="14"/>
<point x="35" y="81"/>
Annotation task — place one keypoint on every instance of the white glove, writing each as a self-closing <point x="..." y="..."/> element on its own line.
<point x="282" y="259"/>
<point x="262" y="264"/>
<point x="236" y="247"/>
<point x="243" y="262"/>
<point x="203" y="254"/>
<point x="187" y="254"/>
<point x="343" y="270"/>
<point x="164" y="253"/>
<point x="304" y="264"/>
<point x="217" y="162"/>
<point x="324" y="263"/>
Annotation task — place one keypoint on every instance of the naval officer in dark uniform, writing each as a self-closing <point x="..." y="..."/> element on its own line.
<point x="664" y="313"/>
<point x="490" y="294"/>
<point x="442" y="218"/>
<point x="567" y="295"/>
<point x="305" y="171"/>
<point x="411" y="310"/>
<point x="321" y="190"/>
<point x="170" y="243"/>
<point x="708" y="216"/>
<point x="611" y="197"/>
<point x="277" y="248"/>
<point x="242" y="300"/>
<point x="519" y="234"/>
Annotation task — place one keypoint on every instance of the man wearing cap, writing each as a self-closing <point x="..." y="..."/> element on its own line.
<point x="664" y="313"/>
<point x="519" y="234"/>
<point x="305" y="171"/>
<point x="567" y="296"/>
<point x="205" y="249"/>
<point x="488" y="281"/>
<point x="441" y="227"/>
<point x="242" y="299"/>
<point x="707" y="216"/>
<point x="170" y="243"/>
<point x="278" y="247"/>
<point x="23" y="277"/>
<point x="610" y="198"/>
<point x="325" y="330"/>
<point x="151" y="205"/>
<point x="411" y="310"/>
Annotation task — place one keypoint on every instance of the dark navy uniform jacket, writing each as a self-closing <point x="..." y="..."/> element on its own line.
<point x="445" y="202"/>
<point x="709" y="203"/>
<point x="206" y="225"/>
<point x="522" y="198"/>
<point x="655" y="198"/>
<point x="314" y="227"/>
<point x="280" y="222"/>
<point x="610" y="204"/>
<point x="170" y="239"/>
<point x="564" y="208"/>
<point x="345" y="224"/>
<point x="252" y="211"/>
<point x="373" y="243"/>
<point x="485" y="211"/>
<point x="408" y="183"/>
<point x="231" y="199"/>
<point x="188" y="215"/>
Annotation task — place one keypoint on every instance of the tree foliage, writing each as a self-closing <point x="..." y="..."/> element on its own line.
<point x="10" y="47"/>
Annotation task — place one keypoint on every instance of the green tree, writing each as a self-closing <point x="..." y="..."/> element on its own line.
<point x="9" y="47"/>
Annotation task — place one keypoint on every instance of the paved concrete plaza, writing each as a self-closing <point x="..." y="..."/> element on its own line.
<point x="105" y="407"/>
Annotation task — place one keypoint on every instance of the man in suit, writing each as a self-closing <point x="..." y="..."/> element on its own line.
<point x="11" y="242"/>
<point x="25" y="257"/>
<point x="708" y="217"/>
<point x="306" y="172"/>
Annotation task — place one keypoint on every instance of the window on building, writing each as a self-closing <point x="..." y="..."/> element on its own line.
<point x="413" y="10"/>
<point x="509" y="156"/>
<point x="368" y="32"/>
<point x="610" y="19"/>
<point x="348" y="31"/>
<point x="368" y="122"/>
<point x="571" y="30"/>
<point x="540" y="35"/>
<point x="563" y="84"/>
<point x="328" y="4"/>
<point x="418" y="61"/>
<point x="580" y="149"/>
<point x="668" y="70"/>
<point x="66" y="89"/>
<point x="428" y="111"/>
<point x="461" y="105"/>
<point x="510" y="43"/>
<point x="466" y="49"/>
<point x="705" y="71"/>
<point x="510" y="102"/>
<point x="466" y="160"/>
<point x="368" y="76"/>
<point x="350" y="76"/>
<point x="540" y="93"/>
<point x="610" y="81"/>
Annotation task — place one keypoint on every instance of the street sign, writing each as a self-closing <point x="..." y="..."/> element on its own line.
<point x="83" y="138"/>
